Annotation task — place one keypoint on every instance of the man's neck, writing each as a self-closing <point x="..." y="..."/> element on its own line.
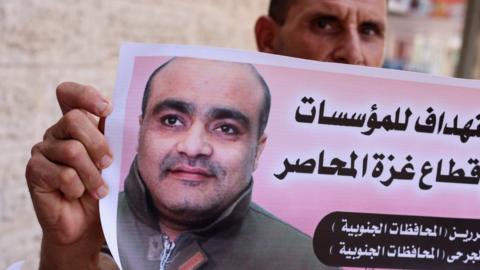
<point x="172" y="232"/>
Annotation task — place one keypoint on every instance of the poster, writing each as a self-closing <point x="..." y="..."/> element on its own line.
<point x="379" y="167"/>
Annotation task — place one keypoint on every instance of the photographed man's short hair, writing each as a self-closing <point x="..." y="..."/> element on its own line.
<point x="266" y="102"/>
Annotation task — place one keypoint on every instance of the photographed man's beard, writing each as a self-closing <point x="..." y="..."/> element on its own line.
<point x="171" y="161"/>
<point x="188" y="214"/>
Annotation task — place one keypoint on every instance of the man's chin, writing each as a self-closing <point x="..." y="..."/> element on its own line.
<point x="192" y="215"/>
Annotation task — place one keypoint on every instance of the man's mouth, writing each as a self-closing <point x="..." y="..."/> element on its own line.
<point x="189" y="173"/>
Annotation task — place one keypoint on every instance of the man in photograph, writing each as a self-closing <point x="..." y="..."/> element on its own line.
<point x="187" y="198"/>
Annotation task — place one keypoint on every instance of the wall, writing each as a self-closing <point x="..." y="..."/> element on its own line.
<point x="44" y="42"/>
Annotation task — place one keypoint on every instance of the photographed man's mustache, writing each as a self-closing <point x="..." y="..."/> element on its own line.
<point x="172" y="161"/>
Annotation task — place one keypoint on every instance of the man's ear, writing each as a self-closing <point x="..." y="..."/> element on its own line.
<point x="140" y="120"/>
<point x="266" y="30"/>
<point x="262" y="141"/>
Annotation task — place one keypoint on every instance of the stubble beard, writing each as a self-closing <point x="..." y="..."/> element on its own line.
<point x="187" y="212"/>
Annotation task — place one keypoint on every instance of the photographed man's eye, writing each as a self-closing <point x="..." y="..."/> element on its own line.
<point x="171" y="120"/>
<point x="227" y="129"/>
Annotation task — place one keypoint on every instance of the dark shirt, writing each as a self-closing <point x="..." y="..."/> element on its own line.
<point x="244" y="236"/>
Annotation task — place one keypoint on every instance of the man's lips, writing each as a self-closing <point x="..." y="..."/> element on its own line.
<point x="185" y="172"/>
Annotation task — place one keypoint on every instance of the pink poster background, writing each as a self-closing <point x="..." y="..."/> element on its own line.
<point x="303" y="199"/>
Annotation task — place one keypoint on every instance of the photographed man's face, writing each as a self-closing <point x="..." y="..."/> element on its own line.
<point x="199" y="141"/>
<point x="342" y="31"/>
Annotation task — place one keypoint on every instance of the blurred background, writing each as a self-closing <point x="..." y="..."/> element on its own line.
<point x="45" y="42"/>
<point x="434" y="36"/>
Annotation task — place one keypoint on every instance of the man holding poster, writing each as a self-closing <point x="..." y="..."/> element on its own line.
<point x="186" y="200"/>
<point x="380" y="179"/>
<point x="63" y="172"/>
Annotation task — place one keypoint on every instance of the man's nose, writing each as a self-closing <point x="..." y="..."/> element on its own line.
<point x="349" y="49"/>
<point x="195" y="143"/>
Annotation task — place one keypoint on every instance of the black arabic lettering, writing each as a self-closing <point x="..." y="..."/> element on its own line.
<point x="306" y="118"/>
<point x="430" y="123"/>
<point x="426" y="170"/>
<point x="407" y="172"/>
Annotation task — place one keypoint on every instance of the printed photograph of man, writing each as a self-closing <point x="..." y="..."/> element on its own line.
<point x="186" y="202"/>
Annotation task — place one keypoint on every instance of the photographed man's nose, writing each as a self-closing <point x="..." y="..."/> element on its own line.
<point x="195" y="143"/>
<point x="349" y="49"/>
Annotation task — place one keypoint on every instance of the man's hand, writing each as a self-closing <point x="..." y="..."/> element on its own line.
<point x="64" y="180"/>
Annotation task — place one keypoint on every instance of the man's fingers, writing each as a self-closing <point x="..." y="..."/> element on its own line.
<point x="44" y="176"/>
<point x="101" y="125"/>
<point x="76" y="125"/>
<point x="72" y="95"/>
<point x="70" y="184"/>
<point x="76" y="165"/>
